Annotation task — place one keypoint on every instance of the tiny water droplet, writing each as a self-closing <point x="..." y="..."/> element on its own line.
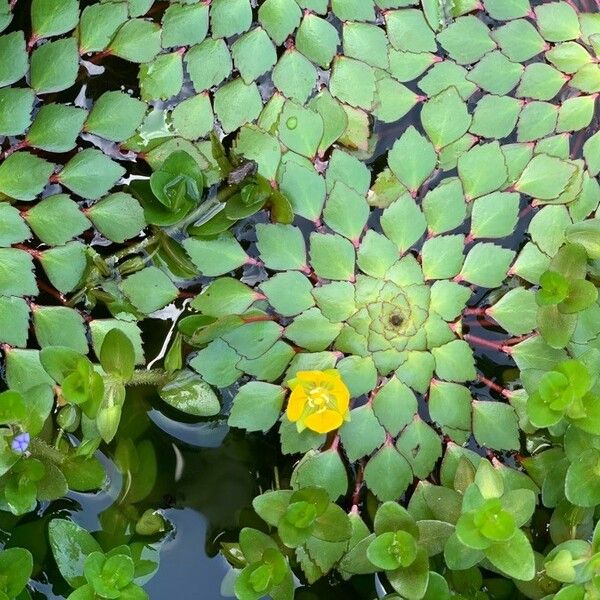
<point x="292" y="123"/>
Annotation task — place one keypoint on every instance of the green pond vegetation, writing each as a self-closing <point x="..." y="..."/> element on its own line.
<point x="372" y="229"/>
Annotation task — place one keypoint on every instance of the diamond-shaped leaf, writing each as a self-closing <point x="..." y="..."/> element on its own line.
<point x="486" y="265"/>
<point x="412" y="159"/>
<point x="23" y="175"/>
<point x="149" y="290"/>
<point x="445" y="118"/>
<point x="332" y="256"/>
<point x="482" y="170"/>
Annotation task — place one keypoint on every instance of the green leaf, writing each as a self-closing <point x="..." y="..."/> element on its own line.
<point x="568" y="57"/>
<point x="540" y="82"/>
<point x="395" y="405"/>
<point x="557" y="21"/>
<point x="54" y="66"/>
<point x="12" y="227"/>
<point x="403" y="223"/>
<point x="519" y="40"/>
<point x="98" y="24"/>
<point x="53" y="17"/>
<point x="332" y="256"/>
<point x="496" y="74"/>
<point x="279" y="18"/>
<point x="295" y="76"/>
<point x="367" y="43"/>
<point x="149" y="289"/>
<point x="545" y="177"/>
<point x="591" y="153"/>
<point x="183" y="25"/>
<point x="224" y="296"/>
<point x="70" y="546"/>
<point x="408" y="30"/>
<point x="257" y="406"/>
<point x="466" y="40"/>
<point x="13" y="58"/>
<point x="586" y="234"/>
<point x="516" y="311"/>
<point x="14" y="321"/>
<point x="495" y="116"/>
<point x="495" y="215"/>
<point x="137" y="41"/>
<point x="90" y="173"/>
<point x="190" y="394"/>
<point x="482" y="170"/>
<point x="253" y="54"/>
<point x="421" y="446"/>
<point x="23" y="176"/>
<point x="388" y="474"/>
<point x="117" y="354"/>
<point x="353" y="82"/>
<point x="59" y="326"/>
<point x="448" y="299"/>
<point x="16" y="273"/>
<point x="412" y="159"/>
<point x="281" y="247"/>
<point x="216" y="256"/>
<point x="193" y="118"/>
<point x="582" y="484"/>
<point x="362" y="434"/>
<point x="486" y="265"/>
<point x="317" y="39"/>
<point x="236" y="103"/>
<point x="442" y="256"/>
<point x="289" y="293"/>
<point x="16" y="565"/>
<point x="100" y="327"/>
<point x="454" y="361"/>
<point x="444" y="206"/>
<point x="115" y="116"/>
<point x="505" y="10"/>
<point x="118" y="217"/>
<point x="351" y="171"/>
<point x="537" y="120"/>
<point x="518" y="562"/>
<point x="575" y="113"/>
<point x="445" y="118"/>
<point x="450" y="407"/>
<point x="65" y="265"/>
<point x="322" y="469"/>
<point x="346" y="212"/>
<point x="208" y="64"/>
<point x="56" y="127"/>
<point x="300" y="129"/>
<point x="16" y="105"/>
<point x="162" y="78"/>
<point x="495" y="425"/>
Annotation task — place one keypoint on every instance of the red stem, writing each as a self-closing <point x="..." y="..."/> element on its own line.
<point x="477" y="310"/>
<point x="500" y="346"/>
<point x="358" y="486"/>
<point x="494" y="386"/>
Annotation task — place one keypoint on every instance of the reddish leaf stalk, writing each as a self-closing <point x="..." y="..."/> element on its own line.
<point x="494" y="386"/>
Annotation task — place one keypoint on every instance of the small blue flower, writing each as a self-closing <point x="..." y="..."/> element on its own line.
<point x="21" y="442"/>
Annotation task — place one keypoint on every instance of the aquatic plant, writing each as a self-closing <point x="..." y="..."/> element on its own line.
<point x="357" y="316"/>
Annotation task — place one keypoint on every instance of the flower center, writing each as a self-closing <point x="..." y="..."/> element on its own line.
<point x="319" y="398"/>
<point x="396" y="320"/>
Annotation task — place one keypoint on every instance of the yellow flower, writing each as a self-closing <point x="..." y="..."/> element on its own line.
<point x="319" y="400"/>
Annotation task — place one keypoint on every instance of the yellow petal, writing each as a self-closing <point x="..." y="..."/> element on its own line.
<point x="296" y="403"/>
<point x="323" y="421"/>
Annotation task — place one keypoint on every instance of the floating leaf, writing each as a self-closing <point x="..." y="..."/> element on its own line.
<point x="13" y="58"/>
<point x="54" y="66"/>
<point x="466" y="40"/>
<point x="23" y="175"/>
<point x="208" y="63"/>
<point x="353" y="82"/>
<point x="486" y="265"/>
<point x="162" y="78"/>
<point x="279" y="18"/>
<point x="545" y="177"/>
<point x="495" y="425"/>
<point x="90" y="173"/>
<point x="295" y="76"/>
<point x="408" y="30"/>
<point x="137" y="41"/>
<point x="56" y="127"/>
<point x="237" y="103"/>
<point x="53" y="17"/>
<point x="190" y="394"/>
<point x="183" y="25"/>
<point x="115" y="116"/>
<point x="412" y="159"/>
<point x="317" y="40"/>
<point x="445" y="118"/>
<point x="149" y="289"/>
<point x="482" y="170"/>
